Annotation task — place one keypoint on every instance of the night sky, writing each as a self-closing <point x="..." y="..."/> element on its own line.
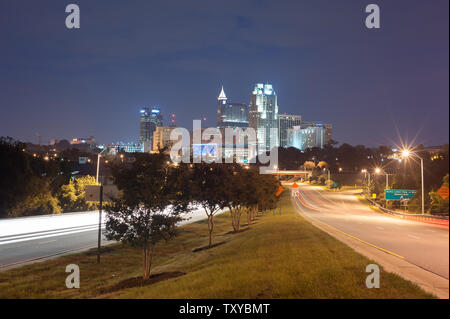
<point x="323" y="62"/>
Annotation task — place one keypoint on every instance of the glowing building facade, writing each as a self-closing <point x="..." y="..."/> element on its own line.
<point x="231" y="115"/>
<point x="286" y="122"/>
<point x="304" y="138"/>
<point x="263" y="116"/>
<point x="150" y="118"/>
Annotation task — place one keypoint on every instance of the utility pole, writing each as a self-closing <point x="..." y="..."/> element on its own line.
<point x="100" y="224"/>
<point x="423" y="190"/>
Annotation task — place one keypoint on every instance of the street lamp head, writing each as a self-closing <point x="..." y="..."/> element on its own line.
<point x="406" y="153"/>
<point x="363" y="171"/>
<point x="377" y="170"/>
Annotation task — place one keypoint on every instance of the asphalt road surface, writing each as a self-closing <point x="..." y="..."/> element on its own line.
<point x="29" y="239"/>
<point x="422" y="244"/>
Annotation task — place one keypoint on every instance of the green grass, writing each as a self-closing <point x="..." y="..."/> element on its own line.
<point x="280" y="256"/>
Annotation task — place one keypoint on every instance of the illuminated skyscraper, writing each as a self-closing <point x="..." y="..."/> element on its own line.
<point x="231" y="115"/>
<point x="304" y="138"/>
<point x="263" y="116"/>
<point x="286" y="122"/>
<point x="150" y="118"/>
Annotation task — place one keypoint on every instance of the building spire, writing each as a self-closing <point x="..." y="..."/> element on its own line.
<point x="222" y="95"/>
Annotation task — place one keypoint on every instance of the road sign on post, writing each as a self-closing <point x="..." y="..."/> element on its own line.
<point x="280" y="190"/>
<point x="399" y="194"/>
<point x="443" y="192"/>
<point x="93" y="193"/>
<point x="100" y="193"/>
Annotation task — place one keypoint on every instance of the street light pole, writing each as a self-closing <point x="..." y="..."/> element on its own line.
<point x="99" y="239"/>
<point x="423" y="194"/>
<point x="407" y="153"/>
<point x="98" y="164"/>
<point x="98" y="167"/>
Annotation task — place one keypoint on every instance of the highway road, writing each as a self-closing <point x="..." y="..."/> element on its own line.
<point x="30" y="239"/>
<point x="424" y="245"/>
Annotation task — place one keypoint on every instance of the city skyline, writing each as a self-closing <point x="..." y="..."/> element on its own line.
<point x="216" y="159"/>
<point x="325" y="66"/>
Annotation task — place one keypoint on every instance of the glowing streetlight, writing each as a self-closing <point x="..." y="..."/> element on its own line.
<point x="407" y="153"/>
<point x="98" y="164"/>
<point x="377" y="170"/>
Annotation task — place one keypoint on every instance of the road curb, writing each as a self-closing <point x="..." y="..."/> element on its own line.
<point x="428" y="281"/>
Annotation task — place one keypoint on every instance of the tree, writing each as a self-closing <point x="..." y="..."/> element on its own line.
<point x="233" y="189"/>
<point x="72" y="195"/>
<point x="322" y="164"/>
<point x="150" y="205"/>
<point x="268" y="187"/>
<point x="309" y="165"/>
<point x="40" y="200"/>
<point x="15" y="174"/>
<point x="207" y="184"/>
<point x="438" y="204"/>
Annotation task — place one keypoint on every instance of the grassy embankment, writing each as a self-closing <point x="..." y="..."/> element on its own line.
<point x="281" y="256"/>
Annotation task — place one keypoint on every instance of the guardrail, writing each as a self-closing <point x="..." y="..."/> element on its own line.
<point x="432" y="219"/>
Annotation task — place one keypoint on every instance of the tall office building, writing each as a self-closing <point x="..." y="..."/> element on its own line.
<point x="150" y="118"/>
<point x="286" y="122"/>
<point x="263" y="116"/>
<point x="231" y="115"/>
<point x="161" y="137"/>
<point x="304" y="138"/>
<point x="328" y="129"/>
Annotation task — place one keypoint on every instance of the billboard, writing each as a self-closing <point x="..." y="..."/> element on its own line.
<point x="204" y="150"/>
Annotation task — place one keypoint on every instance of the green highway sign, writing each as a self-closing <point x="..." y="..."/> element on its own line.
<point x="399" y="194"/>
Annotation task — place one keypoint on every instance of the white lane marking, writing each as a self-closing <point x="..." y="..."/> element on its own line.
<point x="380" y="228"/>
<point x="46" y="236"/>
<point x="46" y="242"/>
<point x="412" y="236"/>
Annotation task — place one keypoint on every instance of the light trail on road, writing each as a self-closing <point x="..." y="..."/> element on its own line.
<point x="422" y="244"/>
<point x="28" y="239"/>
